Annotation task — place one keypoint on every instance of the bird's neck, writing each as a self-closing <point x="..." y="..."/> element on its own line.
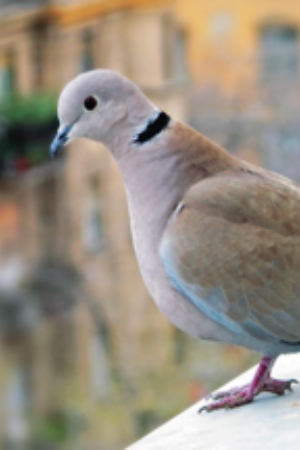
<point x="159" y="172"/>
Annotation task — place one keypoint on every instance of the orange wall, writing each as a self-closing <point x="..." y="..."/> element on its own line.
<point x="70" y="14"/>
<point x="222" y="34"/>
<point x="228" y="51"/>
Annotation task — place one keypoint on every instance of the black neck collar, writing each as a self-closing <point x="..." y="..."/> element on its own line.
<point x="155" y="126"/>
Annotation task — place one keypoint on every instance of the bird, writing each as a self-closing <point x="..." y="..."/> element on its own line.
<point x="216" y="238"/>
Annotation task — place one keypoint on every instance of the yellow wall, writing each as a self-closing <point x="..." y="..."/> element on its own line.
<point x="222" y="34"/>
<point x="229" y="52"/>
<point x="70" y="14"/>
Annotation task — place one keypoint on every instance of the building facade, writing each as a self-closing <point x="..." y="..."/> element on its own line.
<point x="76" y="356"/>
<point x="92" y="347"/>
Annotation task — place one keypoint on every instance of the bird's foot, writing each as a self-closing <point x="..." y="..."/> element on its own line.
<point x="262" y="382"/>
<point x="242" y="395"/>
<point x="278" y="386"/>
<point x="229" y="399"/>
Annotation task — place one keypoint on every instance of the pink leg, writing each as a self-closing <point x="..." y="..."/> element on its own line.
<point x="245" y="394"/>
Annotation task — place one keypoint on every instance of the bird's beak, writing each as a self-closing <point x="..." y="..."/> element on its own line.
<point x="60" y="140"/>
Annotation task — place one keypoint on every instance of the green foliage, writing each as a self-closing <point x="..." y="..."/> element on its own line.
<point x="34" y="109"/>
<point x="27" y="126"/>
<point x="37" y="155"/>
<point x="53" y="428"/>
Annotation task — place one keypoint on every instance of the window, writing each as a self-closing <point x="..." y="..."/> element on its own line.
<point x="180" y="54"/>
<point x="221" y="24"/>
<point x="63" y="346"/>
<point x="16" y="400"/>
<point x="47" y="208"/>
<point x="39" y="36"/>
<point x="10" y="227"/>
<point x="99" y="368"/>
<point x="278" y="56"/>
<point x="174" y="42"/>
<point x="93" y="235"/>
<point x="7" y="77"/>
<point x="87" y="54"/>
<point x="179" y="346"/>
<point x="5" y="82"/>
<point x="168" y="47"/>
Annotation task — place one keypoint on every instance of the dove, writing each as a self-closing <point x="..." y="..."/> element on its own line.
<point x="217" y="239"/>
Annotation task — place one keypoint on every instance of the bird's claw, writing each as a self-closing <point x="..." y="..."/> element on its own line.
<point x="203" y="409"/>
<point x="289" y="384"/>
<point x="242" y="395"/>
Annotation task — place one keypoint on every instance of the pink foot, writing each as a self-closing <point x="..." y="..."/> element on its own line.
<point x="278" y="386"/>
<point x="262" y="382"/>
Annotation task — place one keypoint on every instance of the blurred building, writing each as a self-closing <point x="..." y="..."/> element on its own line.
<point x="141" y="39"/>
<point x="244" y="60"/>
<point x="75" y="317"/>
<point x="65" y="248"/>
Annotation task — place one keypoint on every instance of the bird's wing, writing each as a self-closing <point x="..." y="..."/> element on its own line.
<point x="233" y="249"/>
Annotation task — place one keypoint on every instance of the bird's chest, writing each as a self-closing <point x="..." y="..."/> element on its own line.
<point x="176" y="308"/>
<point x="148" y="220"/>
<point x="146" y="237"/>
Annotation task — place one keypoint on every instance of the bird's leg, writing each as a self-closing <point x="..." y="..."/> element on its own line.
<point x="262" y="382"/>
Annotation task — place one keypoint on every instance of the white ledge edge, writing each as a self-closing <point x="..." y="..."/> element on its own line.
<point x="269" y="423"/>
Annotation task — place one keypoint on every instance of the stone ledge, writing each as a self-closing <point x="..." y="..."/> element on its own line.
<point x="269" y="423"/>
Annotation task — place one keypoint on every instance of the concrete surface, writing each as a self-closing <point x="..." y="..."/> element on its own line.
<point x="269" y="423"/>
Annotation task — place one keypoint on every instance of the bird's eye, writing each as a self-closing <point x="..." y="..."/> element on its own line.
<point x="90" y="103"/>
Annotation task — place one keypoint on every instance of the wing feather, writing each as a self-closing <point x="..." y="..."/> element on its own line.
<point x="241" y="270"/>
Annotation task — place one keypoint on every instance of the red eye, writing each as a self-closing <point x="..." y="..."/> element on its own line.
<point x="90" y="103"/>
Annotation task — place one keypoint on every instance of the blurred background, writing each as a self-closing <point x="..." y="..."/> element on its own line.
<point x="86" y="359"/>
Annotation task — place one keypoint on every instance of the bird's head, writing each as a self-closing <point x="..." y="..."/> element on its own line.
<point x="100" y="105"/>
